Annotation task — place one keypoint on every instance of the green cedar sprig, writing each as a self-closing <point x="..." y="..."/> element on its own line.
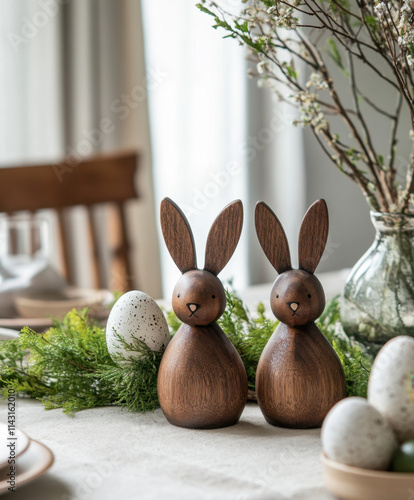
<point x="354" y="357"/>
<point x="250" y="333"/>
<point x="69" y="366"/>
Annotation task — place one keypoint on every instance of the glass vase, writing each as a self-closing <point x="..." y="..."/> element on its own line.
<point x="378" y="299"/>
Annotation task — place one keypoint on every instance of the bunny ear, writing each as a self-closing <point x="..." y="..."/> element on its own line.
<point x="313" y="235"/>
<point x="178" y="236"/>
<point x="272" y="238"/>
<point x="223" y="237"/>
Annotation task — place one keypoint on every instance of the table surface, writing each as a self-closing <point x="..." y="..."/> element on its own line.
<point x="108" y="453"/>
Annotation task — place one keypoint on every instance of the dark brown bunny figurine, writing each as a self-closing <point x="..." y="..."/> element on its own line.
<point x="202" y="382"/>
<point x="299" y="376"/>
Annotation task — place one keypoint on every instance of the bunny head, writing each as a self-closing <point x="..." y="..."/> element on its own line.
<point x="297" y="296"/>
<point x="199" y="297"/>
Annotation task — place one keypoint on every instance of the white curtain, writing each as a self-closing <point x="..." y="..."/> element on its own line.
<point x="30" y="83"/>
<point x="197" y="122"/>
<point x="216" y="136"/>
<point x="69" y="67"/>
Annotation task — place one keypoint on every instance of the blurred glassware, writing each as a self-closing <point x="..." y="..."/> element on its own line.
<point x="25" y="261"/>
<point x="24" y="247"/>
<point x="378" y="299"/>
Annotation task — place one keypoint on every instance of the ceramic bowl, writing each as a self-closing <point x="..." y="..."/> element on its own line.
<point x="57" y="304"/>
<point x="353" y="483"/>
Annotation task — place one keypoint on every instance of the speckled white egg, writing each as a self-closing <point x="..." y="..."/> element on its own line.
<point x="136" y="314"/>
<point x="391" y="385"/>
<point x="355" y="433"/>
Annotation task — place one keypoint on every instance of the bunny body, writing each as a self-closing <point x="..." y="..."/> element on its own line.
<point x="202" y="382"/>
<point x="299" y="376"/>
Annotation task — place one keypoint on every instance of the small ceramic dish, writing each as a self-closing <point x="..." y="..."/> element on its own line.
<point x="31" y="465"/>
<point x="354" y="483"/>
<point x="14" y="443"/>
<point x="57" y="304"/>
<point x="8" y="334"/>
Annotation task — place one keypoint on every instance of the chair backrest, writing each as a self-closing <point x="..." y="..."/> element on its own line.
<point x="100" y="179"/>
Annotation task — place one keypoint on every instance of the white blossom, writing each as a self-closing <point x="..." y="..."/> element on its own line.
<point x="283" y="16"/>
<point x="319" y="123"/>
<point x="380" y="8"/>
<point x="317" y="81"/>
<point x="405" y="25"/>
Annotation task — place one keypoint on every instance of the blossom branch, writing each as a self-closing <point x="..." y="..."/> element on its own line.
<point x="369" y="31"/>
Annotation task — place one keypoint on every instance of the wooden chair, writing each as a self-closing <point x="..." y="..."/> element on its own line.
<point x="89" y="182"/>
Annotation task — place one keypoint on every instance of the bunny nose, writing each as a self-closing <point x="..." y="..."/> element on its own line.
<point x="193" y="307"/>
<point x="293" y="305"/>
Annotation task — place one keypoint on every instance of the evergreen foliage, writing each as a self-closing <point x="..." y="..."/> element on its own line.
<point x="69" y="366"/>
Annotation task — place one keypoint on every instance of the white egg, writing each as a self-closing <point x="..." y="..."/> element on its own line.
<point x="136" y="314"/>
<point x="391" y="385"/>
<point x="355" y="433"/>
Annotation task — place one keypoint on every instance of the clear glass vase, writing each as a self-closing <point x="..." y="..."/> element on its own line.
<point x="378" y="299"/>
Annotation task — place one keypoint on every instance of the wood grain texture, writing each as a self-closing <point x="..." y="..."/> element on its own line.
<point x="64" y="245"/>
<point x="313" y="235"/>
<point x="202" y="382"/>
<point x="302" y="291"/>
<point x="223" y="237"/>
<point x="299" y="377"/>
<point x="123" y="275"/>
<point x="108" y="178"/>
<point x="93" y="239"/>
<point x="198" y="298"/>
<point x="99" y="179"/>
<point x="272" y="238"/>
<point x="178" y="236"/>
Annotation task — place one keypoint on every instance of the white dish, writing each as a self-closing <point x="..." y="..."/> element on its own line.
<point x="35" y="304"/>
<point x="36" y="324"/>
<point x="31" y="465"/>
<point x="8" y="334"/>
<point x="20" y="439"/>
<point x="354" y="483"/>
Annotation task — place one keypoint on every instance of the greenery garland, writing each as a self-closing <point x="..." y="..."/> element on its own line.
<point x="69" y="366"/>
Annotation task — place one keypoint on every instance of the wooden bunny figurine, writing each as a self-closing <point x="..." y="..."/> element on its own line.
<point x="202" y="382"/>
<point x="299" y="376"/>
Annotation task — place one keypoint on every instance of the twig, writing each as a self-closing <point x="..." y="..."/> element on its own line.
<point x="373" y="159"/>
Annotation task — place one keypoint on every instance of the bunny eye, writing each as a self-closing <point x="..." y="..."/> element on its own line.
<point x="178" y="295"/>
<point x="277" y="296"/>
<point x="309" y="295"/>
<point x="213" y="296"/>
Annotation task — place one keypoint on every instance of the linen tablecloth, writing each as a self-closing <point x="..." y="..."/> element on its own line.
<point x="109" y="453"/>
